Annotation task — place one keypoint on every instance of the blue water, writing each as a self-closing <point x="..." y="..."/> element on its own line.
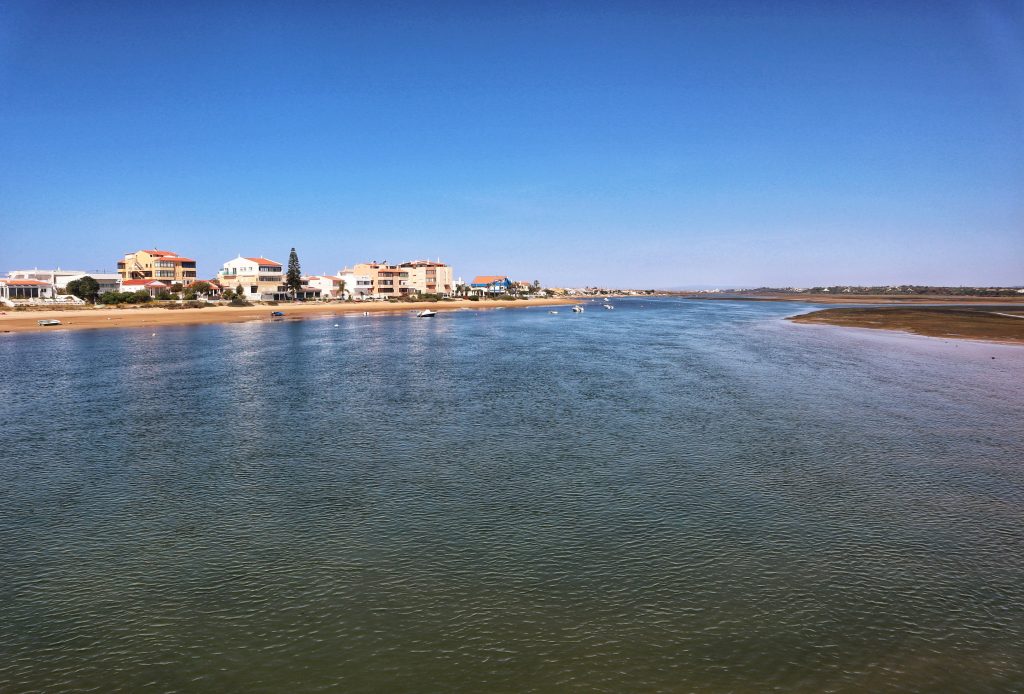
<point x="670" y="496"/>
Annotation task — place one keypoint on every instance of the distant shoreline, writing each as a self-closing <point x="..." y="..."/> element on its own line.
<point x="100" y="317"/>
<point x="862" y="298"/>
<point x="1004" y="324"/>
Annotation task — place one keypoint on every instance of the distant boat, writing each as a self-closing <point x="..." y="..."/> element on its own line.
<point x="426" y="313"/>
<point x="608" y="306"/>
<point x="606" y="299"/>
<point x="48" y="322"/>
<point x="277" y="314"/>
<point x="577" y="309"/>
<point x="553" y="313"/>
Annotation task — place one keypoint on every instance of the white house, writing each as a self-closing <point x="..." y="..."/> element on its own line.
<point x="153" y="287"/>
<point x="14" y="291"/>
<point x="329" y="286"/>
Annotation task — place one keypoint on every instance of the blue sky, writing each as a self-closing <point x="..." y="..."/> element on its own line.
<point x="627" y="143"/>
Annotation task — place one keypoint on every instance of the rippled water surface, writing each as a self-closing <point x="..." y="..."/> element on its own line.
<point x="671" y="496"/>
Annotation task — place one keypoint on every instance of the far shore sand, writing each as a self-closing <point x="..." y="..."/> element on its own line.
<point x="148" y="317"/>
<point x="1004" y="323"/>
<point x="863" y="298"/>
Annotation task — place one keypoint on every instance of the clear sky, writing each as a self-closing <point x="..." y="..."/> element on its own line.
<point x="620" y="143"/>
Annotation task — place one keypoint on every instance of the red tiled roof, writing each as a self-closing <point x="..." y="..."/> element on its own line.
<point x="156" y="252"/>
<point x="264" y="261"/>
<point x="177" y="259"/>
<point x="143" y="283"/>
<point x="487" y="279"/>
<point x="28" y="282"/>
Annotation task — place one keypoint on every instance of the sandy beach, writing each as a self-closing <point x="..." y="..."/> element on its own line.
<point x="149" y="317"/>
<point x="990" y="323"/>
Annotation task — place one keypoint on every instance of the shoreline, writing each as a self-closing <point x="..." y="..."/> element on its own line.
<point x="999" y="324"/>
<point x="100" y="317"/>
<point x="871" y="299"/>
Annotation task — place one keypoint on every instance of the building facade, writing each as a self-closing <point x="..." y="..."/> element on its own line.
<point x="260" y="279"/>
<point x="14" y="291"/>
<point x="412" y="277"/>
<point x="165" y="266"/>
<point x="356" y="286"/>
<point x="490" y="284"/>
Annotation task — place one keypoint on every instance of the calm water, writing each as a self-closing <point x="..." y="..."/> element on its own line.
<point x="670" y="496"/>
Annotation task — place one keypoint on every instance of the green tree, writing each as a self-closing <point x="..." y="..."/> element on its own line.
<point x="227" y="294"/>
<point x="200" y="287"/>
<point x="85" y="288"/>
<point x="535" y="287"/>
<point x="177" y="287"/>
<point x="293" y="280"/>
<point x="341" y="290"/>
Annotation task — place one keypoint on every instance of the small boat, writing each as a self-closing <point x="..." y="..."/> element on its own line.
<point x="606" y="299"/>
<point x="608" y="306"/>
<point x="49" y="322"/>
<point x="426" y="313"/>
<point x="553" y="313"/>
<point x="577" y="309"/>
<point x="277" y="314"/>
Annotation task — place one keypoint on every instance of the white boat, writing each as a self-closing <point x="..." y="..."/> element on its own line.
<point x="51" y="321"/>
<point x="426" y="313"/>
<point x="553" y="313"/>
<point x="606" y="299"/>
<point x="577" y="309"/>
<point x="608" y="306"/>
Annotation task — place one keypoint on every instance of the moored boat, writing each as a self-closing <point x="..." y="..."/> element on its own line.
<point x="426" y="313"/>
<point x="49" y="322"/>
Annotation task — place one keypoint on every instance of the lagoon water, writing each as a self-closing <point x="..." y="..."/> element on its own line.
<point x="670" y="496"/>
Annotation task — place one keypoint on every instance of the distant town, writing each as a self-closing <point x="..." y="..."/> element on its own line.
<point x="155" y="275"/>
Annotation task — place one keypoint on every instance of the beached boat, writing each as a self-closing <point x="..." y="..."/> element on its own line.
<point x="48" y="322"/>
<point x="577" y="309"/>
<point x="277" y="314"/>
<point x="426" y="313"/>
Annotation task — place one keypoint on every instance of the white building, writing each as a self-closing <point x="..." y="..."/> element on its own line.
<point x="153" y="287"/>
<point x="32" y="291"/>
<point x="109" y="282"/>
<point x="357" y="286"/>
<point x="329" y="286"/>
<point x="260" y="280"/>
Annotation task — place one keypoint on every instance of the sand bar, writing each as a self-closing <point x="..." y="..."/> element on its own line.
<point x="992" y="323"/>
<point x="913" y="299"/>
<point x="13" y="321"/>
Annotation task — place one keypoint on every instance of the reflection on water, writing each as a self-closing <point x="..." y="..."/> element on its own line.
<point x="669" y="496"/>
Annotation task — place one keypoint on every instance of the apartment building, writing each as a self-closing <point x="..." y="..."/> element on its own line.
<point x="164" y="266"/>
<point x="413" y="277"/>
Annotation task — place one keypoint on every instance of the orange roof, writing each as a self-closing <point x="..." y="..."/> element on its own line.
<point x="488" y="279"/>
<point x="29" y="282"/>
<point x="155" y="252"/>
<point x="263" y="261"/>
<point x="177" y="259"/>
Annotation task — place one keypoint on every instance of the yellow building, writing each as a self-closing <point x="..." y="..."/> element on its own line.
<point x="165" y="266"/>
<point x="413" y="277"/>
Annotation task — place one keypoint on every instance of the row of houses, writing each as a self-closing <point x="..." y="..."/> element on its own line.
<point x="255" y="278"/>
